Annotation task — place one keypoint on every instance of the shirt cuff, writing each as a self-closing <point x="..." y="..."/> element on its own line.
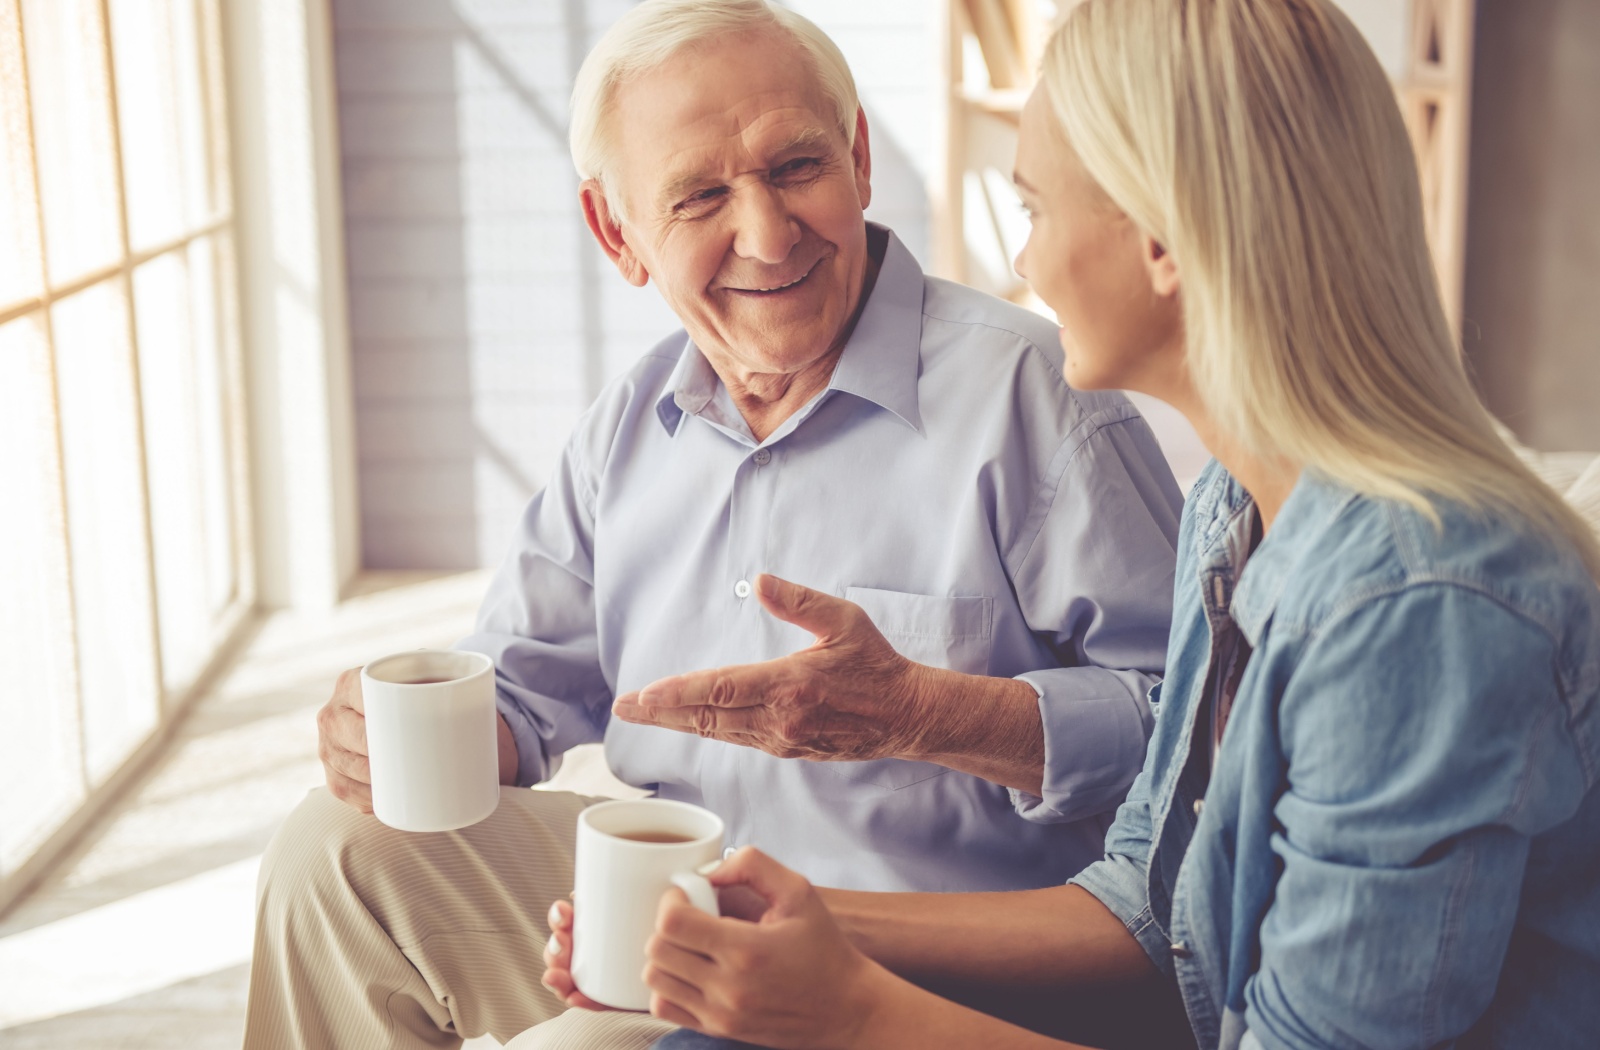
<point x="1122" y="886"/>
<point x="1096" y="725"/>
<point x="532" y="766"/>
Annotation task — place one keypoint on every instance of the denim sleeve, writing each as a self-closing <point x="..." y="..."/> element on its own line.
<point x="1096" y="582"/>
<point x="1425" y="740"/>
<point x="537" y="623"/>
<point x="1120" y="880"/>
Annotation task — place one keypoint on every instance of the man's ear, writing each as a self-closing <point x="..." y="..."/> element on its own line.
<point x="608" y="233"/>
<point x="861" y="158"/>
<point x="1162" y="267"/>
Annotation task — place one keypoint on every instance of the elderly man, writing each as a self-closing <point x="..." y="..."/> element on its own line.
<point x="975" y="566"/>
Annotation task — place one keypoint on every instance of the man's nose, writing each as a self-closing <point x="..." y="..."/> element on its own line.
<point x="766" y="231"/>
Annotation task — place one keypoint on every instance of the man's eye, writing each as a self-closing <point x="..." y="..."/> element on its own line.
<point x="799" y="166"/>
<point x="702" y="200"/>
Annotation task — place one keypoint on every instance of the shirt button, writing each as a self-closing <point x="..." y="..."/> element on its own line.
<point x="1199" y="806"/>
<point x="763" y="457"/>
<point x="1181" y="950"/>
<point x="741" y="589"/>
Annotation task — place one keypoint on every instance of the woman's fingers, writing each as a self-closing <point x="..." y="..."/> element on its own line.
<point x="669" y="958"/>
<point x="741" y="902"/>
<point x="762" y="875"/>
<point x="672" y="1013"/>
<point x="682" y="924"/>
<point x="674" y="990"/>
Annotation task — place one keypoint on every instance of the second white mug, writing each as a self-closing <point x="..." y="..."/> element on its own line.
<point x="628" y="853"/>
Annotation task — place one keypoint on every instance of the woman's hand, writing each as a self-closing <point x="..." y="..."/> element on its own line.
<point x="558" y="960"/>
<point x="736" y="900"/>
<point x="787" y="979"/>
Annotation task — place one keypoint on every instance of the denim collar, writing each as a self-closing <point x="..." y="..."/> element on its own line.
<point x="881" y="363"/>
<point x="1251" y="597"/>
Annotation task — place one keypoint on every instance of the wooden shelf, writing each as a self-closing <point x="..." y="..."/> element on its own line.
<point x="1001" y="103"/>
<point x="985" y="101"/>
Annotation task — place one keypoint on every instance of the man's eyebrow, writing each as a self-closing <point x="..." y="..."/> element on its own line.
<point x="810" y="140"/>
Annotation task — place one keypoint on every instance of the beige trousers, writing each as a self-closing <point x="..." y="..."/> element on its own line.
<point x="369" y="938"/>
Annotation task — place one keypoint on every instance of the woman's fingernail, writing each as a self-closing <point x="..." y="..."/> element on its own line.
<point x="555" y="914"/>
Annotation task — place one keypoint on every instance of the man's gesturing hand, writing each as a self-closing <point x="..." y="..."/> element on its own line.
<point x="342" y="743"/>
<point x="849" y="696"/>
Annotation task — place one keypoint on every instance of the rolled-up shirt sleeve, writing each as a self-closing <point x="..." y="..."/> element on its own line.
<point x="1121" y="880"/>
<point x="1095" y="578"/>
<point x="537" y="623"/>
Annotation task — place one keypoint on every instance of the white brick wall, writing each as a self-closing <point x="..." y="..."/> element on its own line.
<point x="483" y="320"/>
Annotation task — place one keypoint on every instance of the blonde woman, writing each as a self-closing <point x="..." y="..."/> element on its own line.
<point x="1368" y="816"/>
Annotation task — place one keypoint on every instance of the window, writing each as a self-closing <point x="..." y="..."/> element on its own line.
<point x="124" y="547"/>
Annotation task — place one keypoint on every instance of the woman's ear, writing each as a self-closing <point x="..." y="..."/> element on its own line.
<point x="607" y="230"/>
<point x="1162" y="267"/>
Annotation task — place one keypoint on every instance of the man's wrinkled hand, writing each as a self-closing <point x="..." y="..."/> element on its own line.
<point x="849" y="696"/>
<point x="342" y="743"/>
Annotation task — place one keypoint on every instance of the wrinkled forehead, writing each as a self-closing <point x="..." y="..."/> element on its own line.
<point x="717" y="111"/>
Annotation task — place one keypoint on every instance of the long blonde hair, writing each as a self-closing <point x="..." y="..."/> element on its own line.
<point x="1260" y="142"/>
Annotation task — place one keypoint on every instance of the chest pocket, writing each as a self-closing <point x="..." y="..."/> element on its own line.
<point x="953" y="633"/>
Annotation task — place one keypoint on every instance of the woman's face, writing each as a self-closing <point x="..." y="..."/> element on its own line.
<point x="1113" y="289"/>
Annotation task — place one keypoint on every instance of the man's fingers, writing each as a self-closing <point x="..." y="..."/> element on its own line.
<point x="347" y="689"/>
<point x="748" y="727"/>
<point x="702" y="719"/>
<point x="742" y="685"/>
<point x="350" y="792"/>
<point x="342" y="727"/>
<point x="347" y="764"/>
<point x="817" y="611"/>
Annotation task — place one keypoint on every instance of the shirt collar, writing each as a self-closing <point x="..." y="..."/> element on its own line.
<point x="881" y="363"/>
<point x="1296" y="532"/>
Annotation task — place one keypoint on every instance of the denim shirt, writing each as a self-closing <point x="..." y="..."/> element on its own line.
<point x="1399" y="845"/>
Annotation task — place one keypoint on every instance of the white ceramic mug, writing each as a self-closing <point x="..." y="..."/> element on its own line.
<point x="431" y="739"/>
<point x="618" y="886"/>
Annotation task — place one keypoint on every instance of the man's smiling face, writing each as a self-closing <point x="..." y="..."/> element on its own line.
<point x="743" y="201"/>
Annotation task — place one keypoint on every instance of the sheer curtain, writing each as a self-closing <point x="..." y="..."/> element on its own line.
<point x="124" y="555"/>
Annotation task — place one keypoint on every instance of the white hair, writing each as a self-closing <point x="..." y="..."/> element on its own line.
<point x="656" y="30"/>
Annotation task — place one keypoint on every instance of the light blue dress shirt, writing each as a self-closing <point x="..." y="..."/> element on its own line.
<point x="987" y="518"/>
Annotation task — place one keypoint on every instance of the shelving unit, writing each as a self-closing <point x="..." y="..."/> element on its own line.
<point x="992" y="48"/>
<point x="1436" y="98"/>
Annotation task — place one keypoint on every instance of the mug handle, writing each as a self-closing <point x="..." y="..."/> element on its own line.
<point x="699" y="889"/>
